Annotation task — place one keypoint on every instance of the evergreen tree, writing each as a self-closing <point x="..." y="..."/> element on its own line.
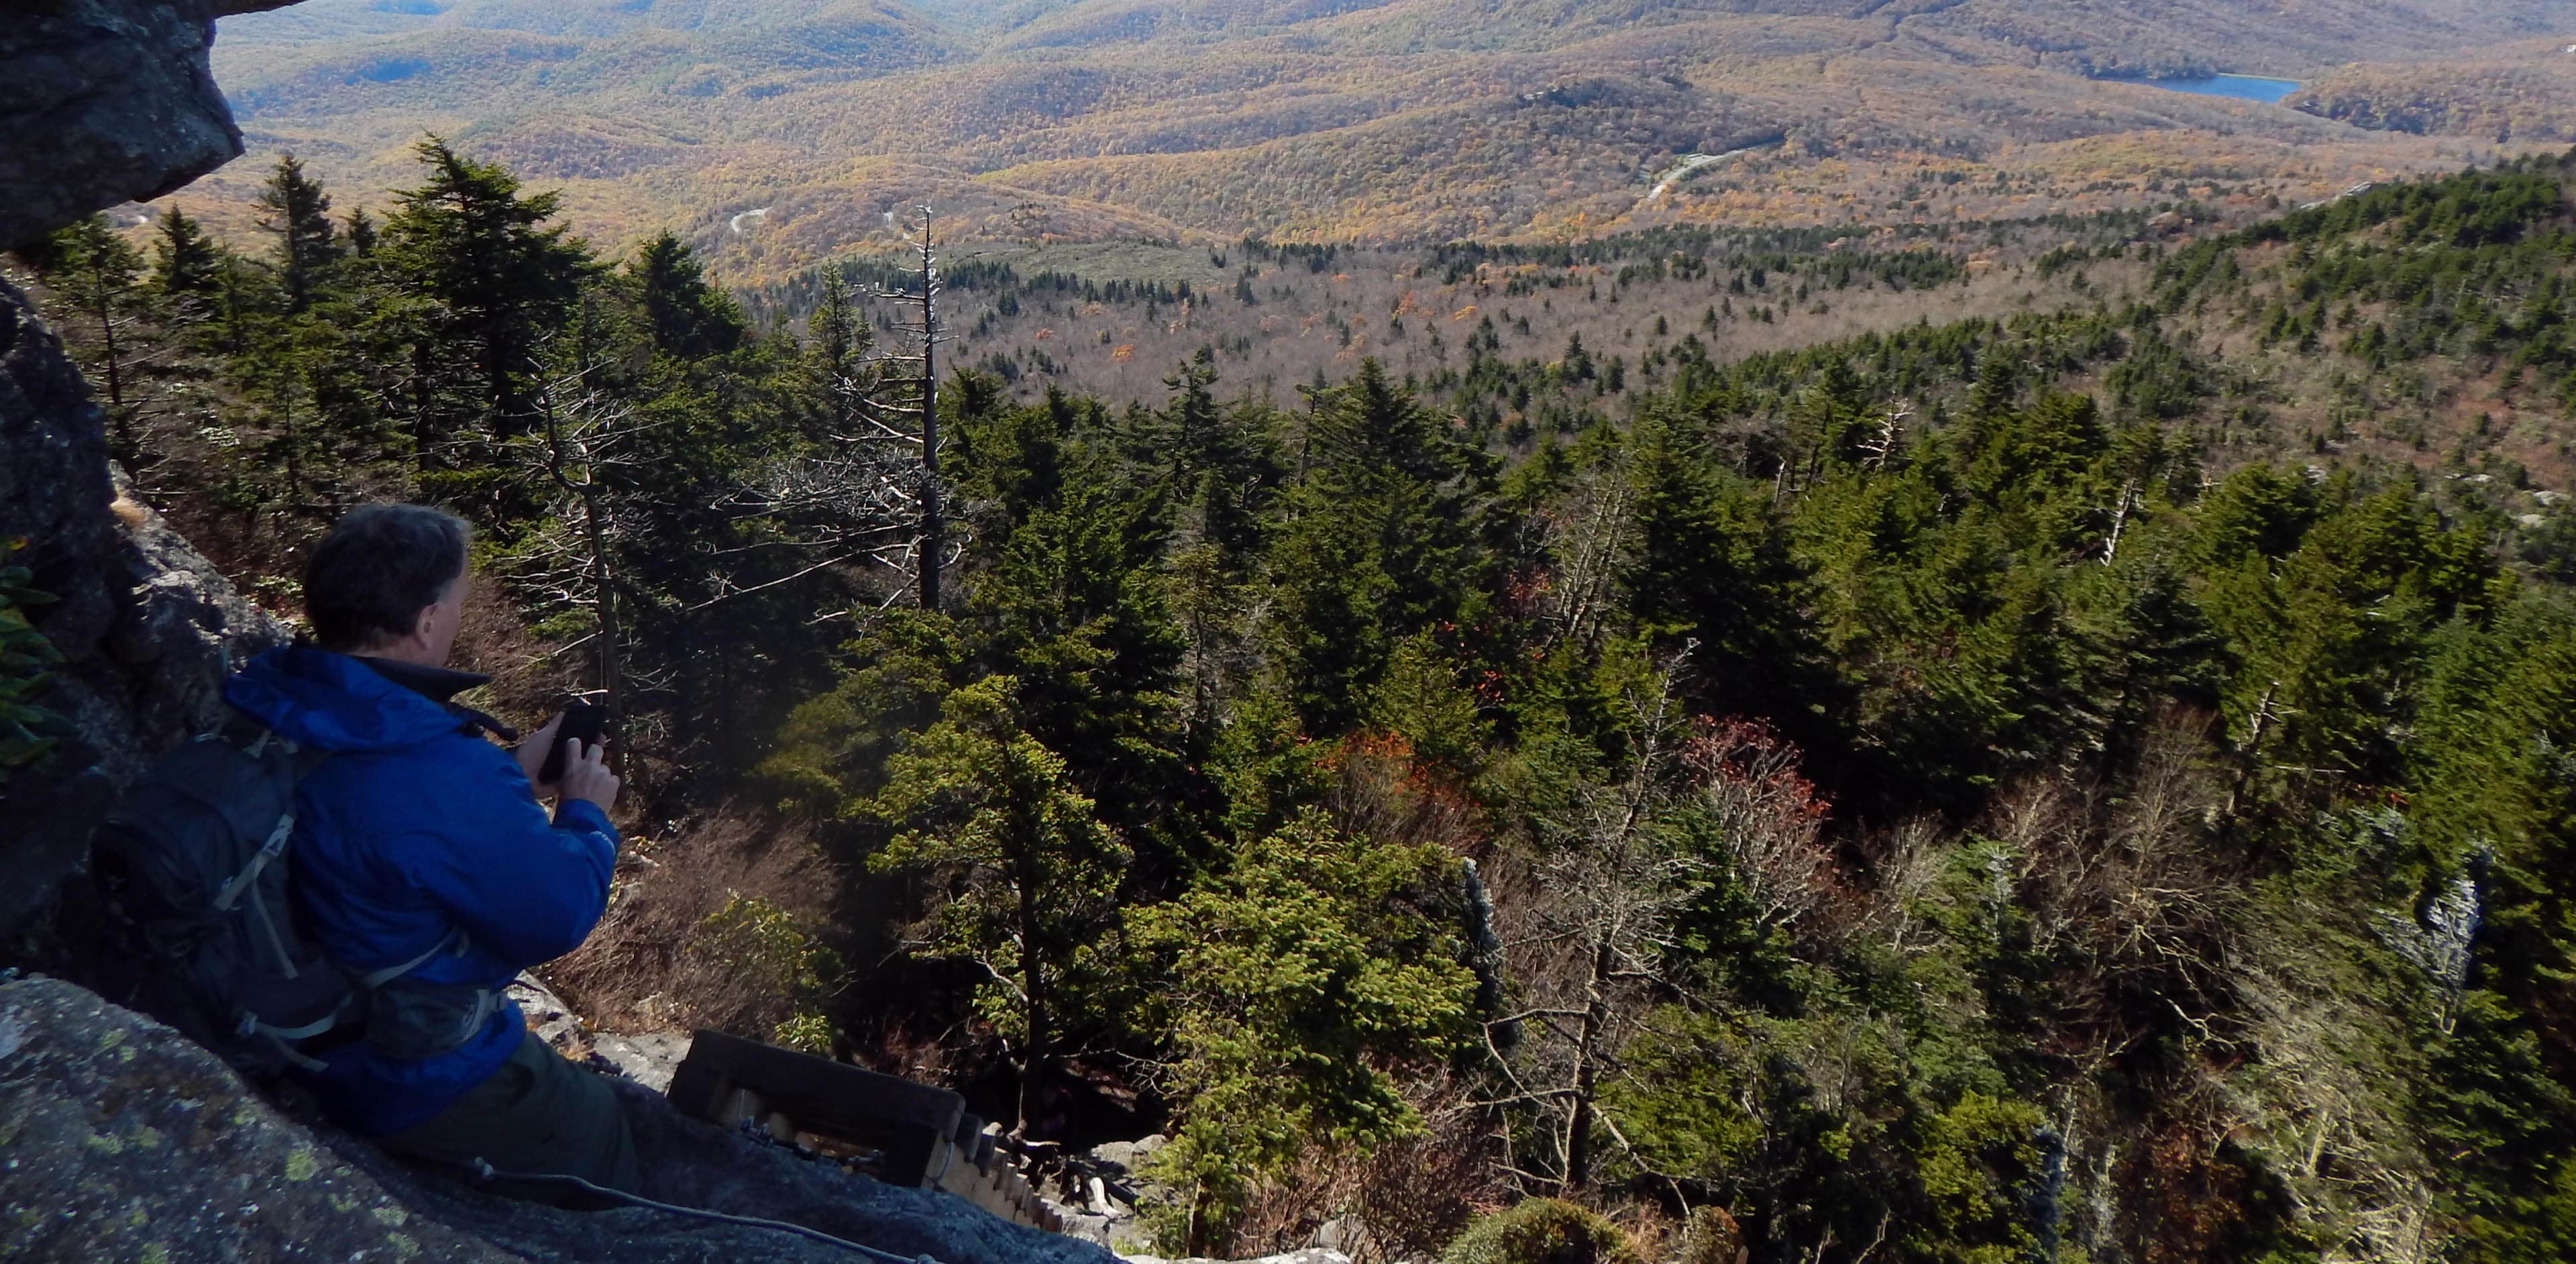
<point x="299" y="212"/>
<point x="1013" y="461"/>
<point x="688" y="318"/>
<point x="1072" y="604"/>
<point x="189" y="274"/>
<point x="1998" y="384"/>
<point x="1706" y="564"/>
<point x="2493" y="806"/>
<point x="1221" y="473"/>
<point x="1328" y="630"/>
<point x="1291" y="988"/>
<point x="184" y="260"/>
<point x="1027" y="873"/>
<point x="486" y="281"/>
<point x="838" y="346"/>
<point x="98" y="272"/>
<point x="1383" y="541"/>
<point x="361" y="233"/>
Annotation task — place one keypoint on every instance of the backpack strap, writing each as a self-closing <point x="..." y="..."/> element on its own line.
<point x="268" y="851"/>
<point x="457" y="941"/>
<point x="477" y="723"/>
<point x="305" y="762"/>
<point x="451" y="1010"/>
<point x="283" y="1039"/>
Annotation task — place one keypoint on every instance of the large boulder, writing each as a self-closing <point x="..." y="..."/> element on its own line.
<point x="106" y="101"/>
<point x="127" y="1142"/>
<point x="147" y="628"/>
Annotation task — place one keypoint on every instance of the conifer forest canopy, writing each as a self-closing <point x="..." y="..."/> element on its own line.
<point x="1990" y="727"/>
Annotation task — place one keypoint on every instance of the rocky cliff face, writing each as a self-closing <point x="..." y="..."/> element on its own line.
<point x="146" y="627"/>
<point x="106" y="101"/>
<point x="101" y="102"/>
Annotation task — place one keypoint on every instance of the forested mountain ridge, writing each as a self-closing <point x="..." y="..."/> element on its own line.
<point x="1411" y="120"/>
<point x="1531" y="339"/>
<point x="2083" y="780"/>
<point x="2518" y="89"/>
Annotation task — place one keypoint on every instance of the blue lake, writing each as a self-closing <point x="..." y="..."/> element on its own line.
<point x="2241" y="87"/>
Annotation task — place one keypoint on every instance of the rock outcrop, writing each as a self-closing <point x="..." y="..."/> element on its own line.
<point x="107" y="101"/>
<point x="650" y="1058"/>
<point x="125" y="1141"/>
<point x="146" y="627"/>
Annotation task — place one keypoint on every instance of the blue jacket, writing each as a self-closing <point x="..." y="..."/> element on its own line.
<point x="415" y="827"/>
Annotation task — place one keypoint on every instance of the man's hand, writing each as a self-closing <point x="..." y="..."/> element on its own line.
<point x="586" y="774"/>
<point x="532" y="754"/>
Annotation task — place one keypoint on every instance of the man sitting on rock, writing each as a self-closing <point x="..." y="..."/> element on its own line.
<point x="419" y="842"/>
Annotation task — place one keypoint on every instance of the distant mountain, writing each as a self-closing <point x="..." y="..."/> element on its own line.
<point x="1323" y="118"/>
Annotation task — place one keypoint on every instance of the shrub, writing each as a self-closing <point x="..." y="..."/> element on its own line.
<point x="761" y="946"/>
<point x="1542" y="1231"/>
<point x="713" y="923"/>
<point x="25" y="728"/>
<point x="1712" y="1236"/>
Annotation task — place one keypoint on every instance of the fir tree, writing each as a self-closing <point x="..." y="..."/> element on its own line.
<point x="1998" y="383"/>
<point x="361" y="233"/>
<point x="487" y="281"/>
<point x="184" y="259"/>
<point x="688" y="318"/>
<point x="840" y="361"/>
<point x="1219" y="469"/>
<point x="1382" y="542"/>
<point x="299" y="212"/>
<point x="1291" y="988"/>
<point x="1706" y="564"/>
<point x="987" y="810"/>
<point x="98" y="272"/>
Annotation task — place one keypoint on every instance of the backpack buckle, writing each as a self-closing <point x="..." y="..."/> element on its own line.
<point x="270" y="849"/>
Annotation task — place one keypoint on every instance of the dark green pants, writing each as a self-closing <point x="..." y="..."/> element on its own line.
<point x="537" y="1114"/>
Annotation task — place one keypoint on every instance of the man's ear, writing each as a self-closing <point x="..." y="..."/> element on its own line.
<point x="424" y="625"/>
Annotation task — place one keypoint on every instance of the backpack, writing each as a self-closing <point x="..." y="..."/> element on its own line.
<point x="192" y="873"/>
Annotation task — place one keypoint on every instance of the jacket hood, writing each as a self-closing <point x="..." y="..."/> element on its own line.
<point x="334" y="702"/>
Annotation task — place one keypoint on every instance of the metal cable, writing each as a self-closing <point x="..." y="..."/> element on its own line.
<point x="486" y="1172"/>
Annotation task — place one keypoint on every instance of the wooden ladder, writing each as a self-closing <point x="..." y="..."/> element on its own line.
<point x="925" y="1134"/>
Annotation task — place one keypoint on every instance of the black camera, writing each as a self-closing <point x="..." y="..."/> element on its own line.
<point x="586" y="721"/>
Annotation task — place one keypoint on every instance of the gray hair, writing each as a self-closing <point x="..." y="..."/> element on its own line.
<point x="378" y="569"/>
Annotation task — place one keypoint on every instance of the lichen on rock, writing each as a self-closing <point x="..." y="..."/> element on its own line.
<point x="125" y="1141"/>
<point x="123" y="1137"/>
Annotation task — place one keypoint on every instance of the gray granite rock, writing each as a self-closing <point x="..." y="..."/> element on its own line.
<point x="689" y="1163"/>
<point x="124" y="1141"/>
<point x="1309" y="1255"/>
<point x="106" y="101"/>
<point x="101" y="101"/>
<point x="147" y="628"/>
<point x="649" y="1058"/>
